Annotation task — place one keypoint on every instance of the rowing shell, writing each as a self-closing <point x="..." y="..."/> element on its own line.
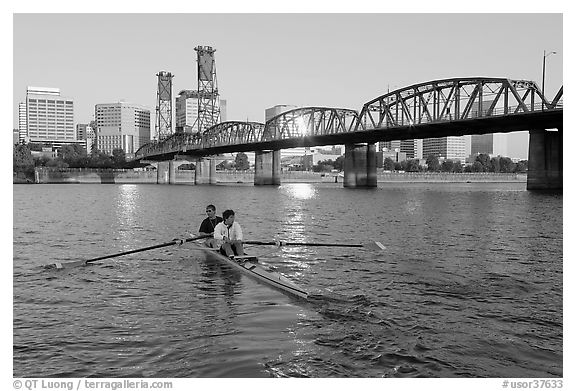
<point x="249" y="265"/>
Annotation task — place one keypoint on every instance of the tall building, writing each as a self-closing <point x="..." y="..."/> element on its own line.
<point x="187" y="106"/>
<point x="452" y="147"/>
<point x="121" y="125"/>
<point x="223" y="115"/>
<point x="187" y="111"/>
<point x="500" y="144"/>
<point x="389" y="146"/>
<point x="22" y="127"/>
<point x="482" y="144"/>
<point x="410" y="148"/>
<point x="50" y="117"/>
<point x="82" y="131"/>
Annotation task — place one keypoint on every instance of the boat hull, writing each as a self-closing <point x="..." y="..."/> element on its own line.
<point x="253" y="269"/>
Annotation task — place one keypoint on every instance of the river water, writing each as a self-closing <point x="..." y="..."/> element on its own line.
<point x="470" y="283"/>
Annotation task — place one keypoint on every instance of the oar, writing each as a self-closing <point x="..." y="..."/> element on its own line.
<point x="59" y="265"/>
<point x="375" y="246"/>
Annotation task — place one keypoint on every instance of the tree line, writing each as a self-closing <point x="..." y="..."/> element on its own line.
<point x="69" y="156"/>
<point x="482" y="163"/>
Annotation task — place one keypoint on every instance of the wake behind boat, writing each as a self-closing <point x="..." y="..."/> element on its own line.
<point x="250" y="266"/>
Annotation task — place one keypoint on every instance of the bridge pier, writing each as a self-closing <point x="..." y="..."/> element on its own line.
<point x="205" y="172"/>
<point x="545" y="160"/>
<point x="267" y="168"/>
<point x="360" y="166"/>
<point x="163" y="173"/>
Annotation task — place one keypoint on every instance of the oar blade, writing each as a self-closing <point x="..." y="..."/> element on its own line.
<point x="375" y="246"/>
<point x="65" y="265"/>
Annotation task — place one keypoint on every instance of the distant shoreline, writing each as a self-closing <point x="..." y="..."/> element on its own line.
<point x="186" y="177"/>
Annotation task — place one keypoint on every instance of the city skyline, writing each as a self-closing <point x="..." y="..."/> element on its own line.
<point x="294" y="59"/>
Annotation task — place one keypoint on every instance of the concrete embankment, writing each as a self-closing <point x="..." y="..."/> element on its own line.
<point x="186" y="177"/>
<point x="450" y="177"/>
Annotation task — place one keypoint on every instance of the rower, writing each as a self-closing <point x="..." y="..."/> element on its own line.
<point x="208" y="224"/>
<point x="228" y="234"/>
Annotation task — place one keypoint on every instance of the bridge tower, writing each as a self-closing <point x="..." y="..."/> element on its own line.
<point x="208" y="98"/>
<point x="164" y="106"/>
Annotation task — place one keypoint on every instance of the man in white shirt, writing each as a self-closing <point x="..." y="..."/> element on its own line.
<point x="228" y="234"/>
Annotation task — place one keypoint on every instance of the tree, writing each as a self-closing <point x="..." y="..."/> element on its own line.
<point x="521" y="166"/>
<point x="484" y="160"/>
<point x="477" y="167"/>
<point x="22" y="159"/>
<point x="339" y="163"/>
<point x="457" y="166"/>
<point x="388" y="164"/>
<point x="495" y="164"/>
<point x="57" y="163"/>
<point x="100" y="160"/>
<point x="507" y="165"/>
<point x="324" y="165"/>
<point x="241" y="162"/>
<point x="413" y="165"/>
<point x="118" y="157"/>
<point x="447" y="166"/>
<point x="433" y="163"/>
<point x="74" y="155"/>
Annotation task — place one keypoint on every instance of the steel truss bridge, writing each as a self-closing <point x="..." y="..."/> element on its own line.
<point x="439" y="108"/>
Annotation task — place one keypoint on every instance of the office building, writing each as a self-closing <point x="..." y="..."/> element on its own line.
<point x="15" y="136"/>
<point x="482" y="144"/>
<point x="85" y="132"/>
<point x="82" y="131"/>
<point x="22" y="128"/>
<point x="452" y="147"/>
<point x="121" y="125"/>
<point x="491" y="144"/>
<point x="223" y="107"/>
<point x="49" y="116"/>
<point x="187" y="111"/>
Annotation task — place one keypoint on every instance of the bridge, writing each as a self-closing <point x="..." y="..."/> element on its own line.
<point x="439" y="108"/>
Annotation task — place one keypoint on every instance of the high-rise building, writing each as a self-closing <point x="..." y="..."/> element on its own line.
<point x="482" y="144"/>
<point x="123" y="126"/>
<point x="389" y="146"/>
<point x="452" y="147"/>
<point x="22" y="127"/>
<point x="49" y="116"/>
<point x="187" y="111"/>
<point x="82" y="131"/>
<point x="223" y="115"/>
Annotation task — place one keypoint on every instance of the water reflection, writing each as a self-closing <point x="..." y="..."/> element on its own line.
<point x="126" y="211"/>
<point x="298" y="200"/>
<point x="300" y="191"/>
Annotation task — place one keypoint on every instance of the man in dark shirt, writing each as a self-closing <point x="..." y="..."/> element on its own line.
<point x="208" y="224"/>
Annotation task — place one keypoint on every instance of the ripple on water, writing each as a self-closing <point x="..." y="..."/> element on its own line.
<point x="470" y="284"/>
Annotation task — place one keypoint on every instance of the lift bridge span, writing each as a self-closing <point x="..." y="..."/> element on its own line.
<point x="439" y="108"/>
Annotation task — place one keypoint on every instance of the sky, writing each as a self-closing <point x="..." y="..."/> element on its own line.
<point x="265" y="59"/>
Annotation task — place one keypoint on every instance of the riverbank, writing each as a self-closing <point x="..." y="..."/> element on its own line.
<point x="186" y="177"/>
